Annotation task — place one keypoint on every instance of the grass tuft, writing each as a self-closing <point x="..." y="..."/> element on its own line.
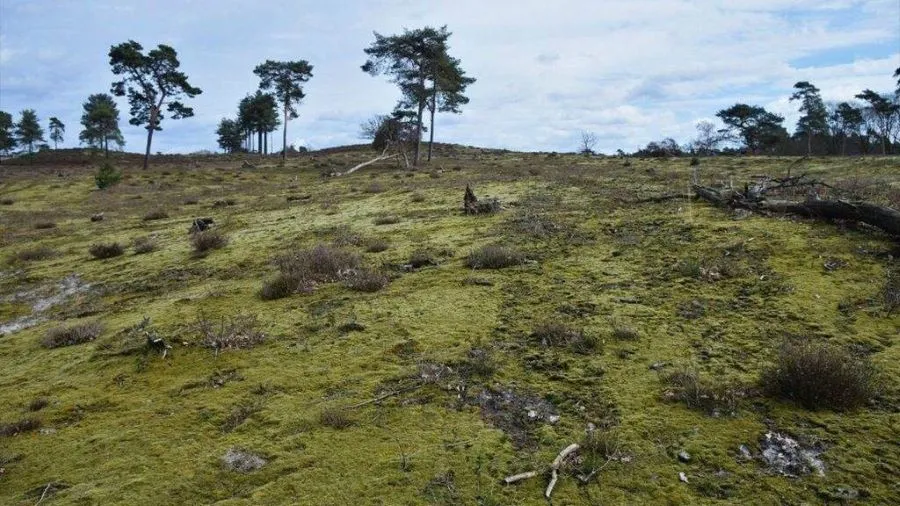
<point x="494" y="257"/>
<point x="59" y="337"/>
<point x="206" y="241"/>
<point x="820" y="376"/>
<point x="103" y="251"/>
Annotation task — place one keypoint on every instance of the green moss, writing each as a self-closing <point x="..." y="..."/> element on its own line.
<point x="126" y="431"/>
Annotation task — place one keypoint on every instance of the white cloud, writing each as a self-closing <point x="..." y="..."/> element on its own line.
<point x="632" y="71"/>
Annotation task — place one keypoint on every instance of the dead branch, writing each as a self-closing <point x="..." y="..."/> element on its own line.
<point x="554" y="470"/>
<point x="554" y="467"/>
<point x="884" y="218"/>
<point x="379" y="158"/>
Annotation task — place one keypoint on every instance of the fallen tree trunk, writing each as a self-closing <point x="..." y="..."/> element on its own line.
<point x="364" y="164"/>
<point x="884" y="218"/>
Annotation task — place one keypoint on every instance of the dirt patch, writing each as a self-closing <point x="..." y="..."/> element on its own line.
<point x="42" y="299"/>
<point x="517" y="414"/>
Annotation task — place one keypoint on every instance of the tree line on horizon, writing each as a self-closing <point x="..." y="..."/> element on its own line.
<point x="868" y="125"/>
<point x="432" y="81"/>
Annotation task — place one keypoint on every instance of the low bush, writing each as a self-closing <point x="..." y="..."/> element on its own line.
<point x="421" y="258"/>
<point x="336" y="418"/>
<point x="19" y="427"/>
<point x="143" y="245"/>
<point x="158" y="214"/>
<point x="366" y="280"/>
<point x="7" y="202"/>
<point x="376" y="245"/>
<point x="690" y="268"/>
<point x="494" y="257"/>
<point x="701" y="394"/>
<point x="375" y="187"/>
<point x="555" y="334"/>
<point x="238" y="332"/>
<point x="107" y="176"/>
<point x="321" y="264"/>
<point x="69" y="336"/>
<point x="38" y="404"/>
<point x="207" y="240"/>
<point x="417" y="197"/>
<point x="44" y="225"/>
<point x="35" y="254"/>
<point x="387" y="220"/>
<point x="106" y="250"/>
<point x="820" y="376"/>
<point x="624" y="332"/>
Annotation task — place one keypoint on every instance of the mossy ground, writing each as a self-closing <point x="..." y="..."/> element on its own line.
<point x="138" y="429"/>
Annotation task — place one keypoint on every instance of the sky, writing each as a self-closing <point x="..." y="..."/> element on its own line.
<point x="631" y="71"/>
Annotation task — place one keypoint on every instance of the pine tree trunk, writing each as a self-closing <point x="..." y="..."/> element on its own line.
<point x="809" y="144"/>
<point x="431" y="129"/>
<point x="284" y="134"/>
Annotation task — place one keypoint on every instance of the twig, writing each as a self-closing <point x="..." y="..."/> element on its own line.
<point x="44" y="494"/>
<point x="385" y="396"/>
<point x="554" y="467"/>
<point x="519" y="477"/>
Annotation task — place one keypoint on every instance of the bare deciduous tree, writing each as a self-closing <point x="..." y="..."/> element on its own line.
<point x="588" y="142"/>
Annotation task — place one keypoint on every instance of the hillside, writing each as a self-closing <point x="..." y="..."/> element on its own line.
<point x="433" y="388"/>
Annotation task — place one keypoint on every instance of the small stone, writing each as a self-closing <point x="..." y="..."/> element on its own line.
<point x="684" y="456"/>
<point x="745" y="452"/>
<point x="97" y="217"/>
<point x="553" y="419"/>
<point x="591" y="427"/>
<point x="47" y="431"/>
<point x="682" y="477"/>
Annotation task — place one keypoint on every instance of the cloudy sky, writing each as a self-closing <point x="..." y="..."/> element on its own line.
<point x="630" y="71"/>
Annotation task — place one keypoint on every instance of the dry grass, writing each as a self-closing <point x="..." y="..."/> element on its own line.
<point x="59" y="337"/>
<point x="19" y="427"/>
<point x="158" y="214"/>
<point x="698" y="393"/>
<point x="144" y="245"/>
<point x="820" y="376"/>
<point x="35" y="254"/>
<point x="238" y="332"/>
<point x="367" y="280"/>
<point x="302" y="270"/>
<point x="494" y="257"/>
<point x="103" y="251"/>
<point x="207" y="241"/>
<point x="336" y="418"/>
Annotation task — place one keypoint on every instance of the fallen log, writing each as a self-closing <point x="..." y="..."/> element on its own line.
<point x="364" y="164"/>
<point x="881" y="217"/>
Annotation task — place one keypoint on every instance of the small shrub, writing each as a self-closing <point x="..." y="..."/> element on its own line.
<point x="190" y="201"/>
<point x="38" y="404"/>
<point x="365" y="280"/>
<point x="345" y="236"/>
<point x="106" y="250"/>
<point x="35" y="254"/>
<point x="320" y="264"/>
<point x="494" y="257"/>
<point x="238" y="332"/>
<point x="239" y="414"/>
<point x="891" y="291"/>
<point x="70" y="336"/>
<point x="7" y="202"/>
<point x="44" y="225"/>
<point x="695" y="161"/>
<point x="387" y="220"/>
<point x="624" y="332"/>
<point x="555" y="334"/>
<point x="207" y="240"/>
<point x="376" y="245"/>
<point x="598" y="448"/>
<point x="421" y="258"/>
<point x="819" y="376"/>
<point x="143" y="245"/>
<point x="107" y="176"/>
<point x="698" y="393"/>
<point x="375" y="187"/>
<point x="417" y="197"/>
<point x="690" y="268"/>
<point x="279" y="288"/>
<point x="19" y="427"/>
<point x="159" y="214"/>
<point x="336" y="418"/>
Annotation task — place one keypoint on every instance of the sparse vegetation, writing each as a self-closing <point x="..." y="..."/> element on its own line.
<point x="238" y="332"/>
<point x="555" y="334"/>
<point x="336" y="418"/>
<point x="44" y="225"/>
<point x="820" y="376"/>
<point x="387" y="220"/>
<point x="208" y="240"/>
<point x="710" y="396"/>
<point x="366" y="280"/>
<point x="158" y="214"/>
<point x="19" y="427"/>
<point x="102" y="251"/>
<point x="495" y="257"/>
<point x="59" y="337"/>
<point x="377" y="245"/>
<point x="302" y="270"/>
<point x="35" y="254"/>
<point x="144" y="245"/>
